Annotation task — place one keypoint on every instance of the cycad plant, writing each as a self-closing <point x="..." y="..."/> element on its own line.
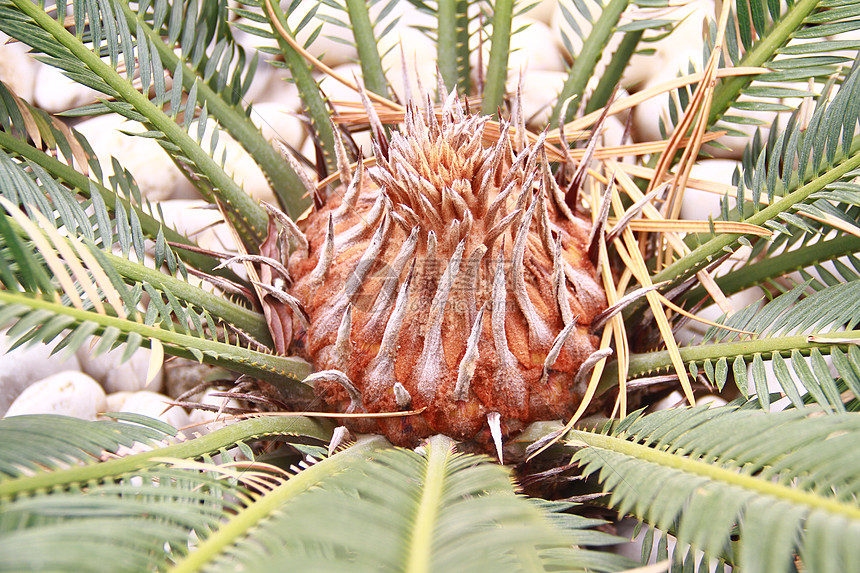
<point x="472" y="282"/>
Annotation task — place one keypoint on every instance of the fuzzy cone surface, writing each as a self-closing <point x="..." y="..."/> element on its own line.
<point x="449" y="276"/>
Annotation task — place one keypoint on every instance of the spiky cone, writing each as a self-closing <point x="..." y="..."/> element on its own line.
<point x="450" y="276"/>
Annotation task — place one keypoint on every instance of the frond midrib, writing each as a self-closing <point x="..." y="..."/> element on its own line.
<point x="264" y="506"/>
<point x="716" y="473"/>
<point x="243" y="360"/>
<point x="694" y="259"/>
<point x="646" y="363"/>
<point x="225" y="437"/>
<point x="763" y="51"/>
<point x="420" y="547"/>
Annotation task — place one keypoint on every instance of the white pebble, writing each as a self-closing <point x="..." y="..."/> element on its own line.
<point x="646" y="116"/>
<point x="419" y="51"/>
<point x="17" y="68"/>
<point x="539" y="91"/>
<point x="196" y="220"/>
<point x="712" y="399"/>
<point x="280" y="89"/>
<point x="155" y="173"/>
<point x="671" y="401"/>
<point x="698" y="205"/>
<point x="25" y="365"/>
<point x="154" y="405"/>
<point x="116" y="401"/>
<point x="543" y="10"/>
<point x="115" y="375"/>
<point x="338" y="92"/>
<point x="613" y="131"/>
<point x="54" y="92"/>
<point x="278" y="121"/>
<point x="69" y="393"/>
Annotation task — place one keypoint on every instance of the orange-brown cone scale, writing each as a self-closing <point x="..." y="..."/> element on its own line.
<point x="414" y="265"/>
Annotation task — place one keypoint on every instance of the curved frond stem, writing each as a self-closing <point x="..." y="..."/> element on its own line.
<point x="715" y="472"/>
<point x="284" y="181"/>
<point x="282" y="371"/>
<point x="222" y="438"/>
<point x="644" y="364"/>
<point x="264" y="506"/>
<point x="497" y="69"/>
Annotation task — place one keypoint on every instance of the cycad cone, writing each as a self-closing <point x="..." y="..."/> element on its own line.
<point x="449" y="276"/>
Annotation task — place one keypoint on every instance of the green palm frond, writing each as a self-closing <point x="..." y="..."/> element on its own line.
<point x="215" y="73"/>
<point x="801" y="186"/>
<point x="782" y="482"/>
<point x="134" y="218"/>
<point x="763" y="37"/>
<point x="403" y="511"/>
<point x="85" y="259"/>
<point x="803" y="161"/>
<point x="831" y="309"/>
<point x="798" y="250"/>
<point x="151" y="510"/>
<point x="62" y="509"/>
<point x="82" y="290"/>
<point x="792" y="332"/>
<point x="658" y="547"/>
<point x="799" y="42"/>
<point x="167" y="118"/>
<point x="75" y="457"/>
<point x="106" y="230"/>
<point x="209" y="69"/>
<point x="33" y="443"/>
<point x="497" y="68"/>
